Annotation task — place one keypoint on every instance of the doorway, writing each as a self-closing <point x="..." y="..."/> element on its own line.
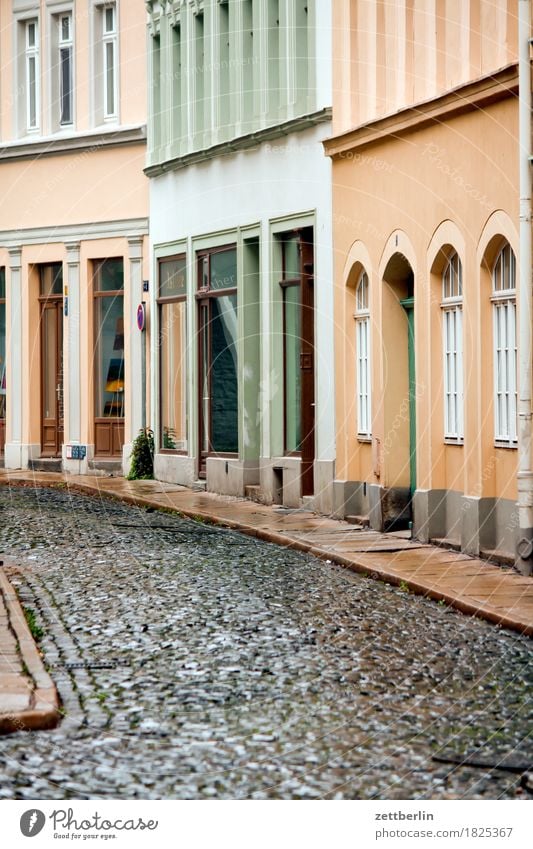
<point x="297" y="285"/>
<point x="51" y="333"/>
<point x="399" y="445"/>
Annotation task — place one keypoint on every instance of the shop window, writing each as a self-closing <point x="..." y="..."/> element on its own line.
<point x="217" y="322"/>
<point x="362" y="336"/>
<point x="172" y="305"/>
<point x="504" y="346"/>
<point x="2" y="356"/>
<point x="452" y="335"/>
<point x="109" y="384"/>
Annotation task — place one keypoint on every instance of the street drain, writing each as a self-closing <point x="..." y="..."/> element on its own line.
<point x="88" y="665"/>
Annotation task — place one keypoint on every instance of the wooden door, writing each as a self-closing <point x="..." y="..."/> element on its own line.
<point x="52" y="377"/>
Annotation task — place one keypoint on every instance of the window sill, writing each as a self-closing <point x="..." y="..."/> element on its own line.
<point x="505" y="444"/>
<point x="364" y="439"/>
<point x="448" y="440"/>
<point x="31" y="147"/>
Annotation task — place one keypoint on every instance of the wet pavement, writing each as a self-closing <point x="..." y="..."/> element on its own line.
<point x="195" y="662"/>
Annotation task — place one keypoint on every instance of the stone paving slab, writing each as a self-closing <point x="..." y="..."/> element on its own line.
<point x="28" y="697"/>
<point x="473" y="586"/>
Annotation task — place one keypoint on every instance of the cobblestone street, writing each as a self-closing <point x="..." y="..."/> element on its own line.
<point x="195" y="662"/>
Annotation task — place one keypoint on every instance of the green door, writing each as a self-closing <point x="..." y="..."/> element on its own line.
<point x="409" y="306"/>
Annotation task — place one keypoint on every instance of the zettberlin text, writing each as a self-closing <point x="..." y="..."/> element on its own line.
<point x="399" y="815"/>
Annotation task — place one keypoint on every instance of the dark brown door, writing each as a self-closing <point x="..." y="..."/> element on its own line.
<point x="51" y="377"/>
<point x="307" y="369"/>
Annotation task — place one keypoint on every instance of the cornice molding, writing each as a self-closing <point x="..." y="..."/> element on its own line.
<point x="85" y="142"/>
<point x="240" y="143"/>
<point x="129" y="228"/>
<point x="465" y="98"/>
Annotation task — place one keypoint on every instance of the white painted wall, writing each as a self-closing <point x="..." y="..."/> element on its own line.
<point x="285" y="177"/>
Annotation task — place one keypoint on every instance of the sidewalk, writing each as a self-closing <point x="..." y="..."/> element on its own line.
<point x="27" y="696"/>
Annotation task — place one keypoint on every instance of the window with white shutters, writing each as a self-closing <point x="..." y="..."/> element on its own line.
<point x="362" y="339"/>
<point x="504" y="346"/>
<point x="452" y="335"/>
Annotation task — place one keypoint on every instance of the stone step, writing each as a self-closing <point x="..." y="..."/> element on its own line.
<point x="110" y="467"/>
<point x="308" y="502"/>
<point x="199" y="485"/>
<point x="363" y="521"/>
<point x="45" y="464"/>
<point x="254" y="493"/>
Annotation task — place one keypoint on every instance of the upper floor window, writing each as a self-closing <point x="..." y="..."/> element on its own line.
<point x="109" y="42"/>
<point x="32" y="74"/>
<point x="106" y="64"/>
<point x="362" y="333"/>
<point x="452" y="334"/>
<point x="504" y="346"/>
<point x="65" y="69"/>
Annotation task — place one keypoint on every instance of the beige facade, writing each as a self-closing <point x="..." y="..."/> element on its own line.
<point x="425" y="207"/>
<point x="73" y="231"/>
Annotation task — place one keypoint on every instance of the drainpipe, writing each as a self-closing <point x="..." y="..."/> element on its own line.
<point x="524" y="560"/>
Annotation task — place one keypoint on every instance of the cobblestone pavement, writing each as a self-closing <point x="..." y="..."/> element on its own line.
<point x="194" y="662"/>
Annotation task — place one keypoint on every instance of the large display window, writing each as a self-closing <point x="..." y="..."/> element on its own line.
<point x="172" y="305"/>
<point x="109" y="386"/>
<point x="217" y="325"/>
<point x="2" y="357"/>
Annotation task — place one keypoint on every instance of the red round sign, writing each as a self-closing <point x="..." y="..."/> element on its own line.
<point x="141" y="316"/>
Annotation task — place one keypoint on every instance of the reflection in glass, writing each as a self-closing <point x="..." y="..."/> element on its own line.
<point x="51" y="279"/>
<point x="109" y="372"/>
<point x="292" y="335"/>
<point x="2" y="344"/>
<point x="173" y="376"/>
<point x="50" y="369"/>
<point x="223" y="377"/>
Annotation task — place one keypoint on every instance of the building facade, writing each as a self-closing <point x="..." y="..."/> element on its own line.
<point x="73" y="231"/>
<point x="240" y="198"/>
<point x="425" y="198"/>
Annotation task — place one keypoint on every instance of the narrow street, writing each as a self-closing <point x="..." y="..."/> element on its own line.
<point x="195" y="662"/>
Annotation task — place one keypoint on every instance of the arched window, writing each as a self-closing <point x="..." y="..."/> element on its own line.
<point x="452" y="335"/>
<point x="504" y="346"/>
<point x="362" y="337"/>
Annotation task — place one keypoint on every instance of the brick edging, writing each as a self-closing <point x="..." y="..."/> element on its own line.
<point x="44" y="712"/>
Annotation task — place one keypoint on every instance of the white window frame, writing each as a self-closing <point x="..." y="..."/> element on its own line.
<point x="32" y="54"/>
<point x="109" y="40"/>
<point x="452" y="349"/>
<point x="362" y="357"/>
<point x="62" y="45"/>
<point x="504" y="344"/>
